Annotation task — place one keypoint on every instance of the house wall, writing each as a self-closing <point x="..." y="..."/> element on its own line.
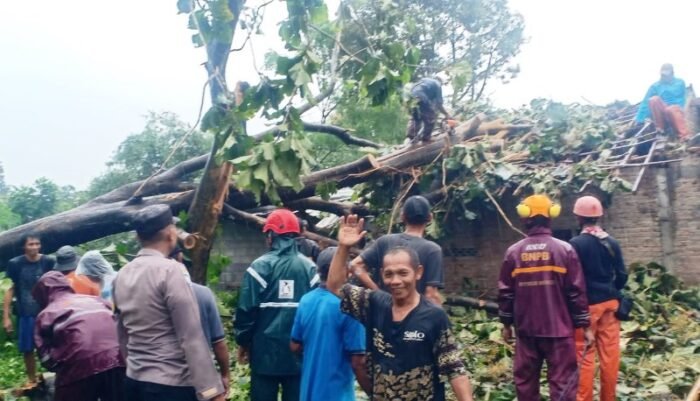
<point x="243" y="244"/>
<point x="668" y="234"/>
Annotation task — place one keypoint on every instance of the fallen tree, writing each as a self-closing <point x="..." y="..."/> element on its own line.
<point x="111" y="214"/>
<point x="464" y="166"/>
<point x="85" y="224"/>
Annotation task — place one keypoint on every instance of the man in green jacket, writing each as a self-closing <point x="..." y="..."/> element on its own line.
<point x="270" y="293"/>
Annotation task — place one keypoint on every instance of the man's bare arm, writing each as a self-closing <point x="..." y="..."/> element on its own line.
<point x="444" y="111"/>
<point x="223" y="360"/>
<point x="433" y="295"/>
<point x="349" y="234"/>
<point x="462" y="388"/>
<point x="360" y="369"/>
<point x="296" y="347"/>
<point x="7" y="302"/>
<point x="359" y="269"/>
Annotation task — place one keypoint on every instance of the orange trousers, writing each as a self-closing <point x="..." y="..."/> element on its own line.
<point x="607" y="346"/>
<point x="664" y="115"/>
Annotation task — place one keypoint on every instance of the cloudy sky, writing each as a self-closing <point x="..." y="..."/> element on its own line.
<point x="77" y="77"/>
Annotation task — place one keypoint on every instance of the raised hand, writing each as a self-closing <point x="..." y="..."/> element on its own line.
<point x="350" y="231"/>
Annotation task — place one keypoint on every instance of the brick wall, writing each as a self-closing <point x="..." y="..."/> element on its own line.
<point x="473" y="253"/>
<point x="243" y="244"/>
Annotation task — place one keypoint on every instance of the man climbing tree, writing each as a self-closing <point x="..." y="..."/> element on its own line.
<point x="426" y="100"/>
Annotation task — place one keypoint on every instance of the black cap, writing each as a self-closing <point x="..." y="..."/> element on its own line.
<point x="66" y="259"/>
<point x="416" y="210"/>
<point x="152" y="219"/>
<point x="323" y="262"/>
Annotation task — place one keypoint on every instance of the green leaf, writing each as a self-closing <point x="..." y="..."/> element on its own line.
<point x="260" y="173"/>
<point x="299" y="75"/>
<point x="318" y="14"/>
<point x="268" y="150"/>
<point x="279" y="175"/>
<point x="326" y="189"/>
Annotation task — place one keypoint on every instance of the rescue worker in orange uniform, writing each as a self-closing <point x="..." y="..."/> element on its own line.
<point x="604" y="271"/>
<point x="542" y="293"/>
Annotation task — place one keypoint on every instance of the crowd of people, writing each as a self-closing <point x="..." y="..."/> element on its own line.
<point x="312" y="324"/>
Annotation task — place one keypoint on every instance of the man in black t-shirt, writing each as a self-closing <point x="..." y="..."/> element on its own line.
<point x="25" y="271"/>
<point x="426" y="101"/>
<point x="416" y="216"/>
<point x="411" y="348"/>
<point x="307" y="247"/>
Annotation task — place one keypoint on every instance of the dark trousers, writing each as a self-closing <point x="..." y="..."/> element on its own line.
<point x="146" y="391"/>
<point x="105" y="386"/>
<point x="265" y="388"/>
<point x="423" y="117"/>
<point x="562" y="374"/>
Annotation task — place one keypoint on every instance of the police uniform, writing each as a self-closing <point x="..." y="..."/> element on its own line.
<point x="159" y="325"/>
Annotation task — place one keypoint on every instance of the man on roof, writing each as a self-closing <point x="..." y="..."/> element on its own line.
<point x="542" y="294"/>
<point x="664" y="104"/>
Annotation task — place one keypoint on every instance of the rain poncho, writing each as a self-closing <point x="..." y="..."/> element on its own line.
<point x="93" y="264"/>
<point x="75" y="335"/>
<point x="270" y="293"/>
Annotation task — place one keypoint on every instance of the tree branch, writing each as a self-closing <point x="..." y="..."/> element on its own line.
<point x="260" y="222"/>
<point x="341" y="133"/>
<point x="338" y="208"/>
<point x="167" y="181"/>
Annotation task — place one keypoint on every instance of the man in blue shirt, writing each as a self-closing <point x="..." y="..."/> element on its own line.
<point x="333" y="343"/>
<point x="664" y="103"/>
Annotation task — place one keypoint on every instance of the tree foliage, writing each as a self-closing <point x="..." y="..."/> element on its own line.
<point x="41" y="199"/>
<point x="3" y="184"/>
<point x="141" y="154"/>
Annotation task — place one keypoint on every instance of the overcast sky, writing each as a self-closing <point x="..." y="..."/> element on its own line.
<point x="77" y="77"/>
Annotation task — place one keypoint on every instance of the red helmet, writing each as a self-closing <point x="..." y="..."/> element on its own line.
<point x="282" y="221"/>
<point x="588" y="206"/>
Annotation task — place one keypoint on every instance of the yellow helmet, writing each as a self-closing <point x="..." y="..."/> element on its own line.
<point x="538" y="205"/>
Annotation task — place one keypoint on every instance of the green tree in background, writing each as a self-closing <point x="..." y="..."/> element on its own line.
<point x="36" y="201"/>
<point x="3" y="184"/>
<point x="141" y="154"/>
<point x="8" y="218"/>
<point x="468" y="42"/>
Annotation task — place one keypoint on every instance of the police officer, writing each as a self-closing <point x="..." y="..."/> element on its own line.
<point x="159" y="325"/>
<point x="269" y="296"/>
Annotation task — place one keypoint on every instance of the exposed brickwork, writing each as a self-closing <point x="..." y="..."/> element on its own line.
<point x="473" y="253"/>
<point x="632" y="218"/>
<point x="243" y="245"/>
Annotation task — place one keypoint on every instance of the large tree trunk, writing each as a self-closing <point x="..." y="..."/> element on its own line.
<point x="211" y="193"/>
<point x="86" y="224"/>
<point x="96" y="220"/>
<point x="204" y="213"/>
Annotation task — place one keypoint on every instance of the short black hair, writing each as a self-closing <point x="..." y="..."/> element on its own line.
<point x="538" y="221"/>
<point x="416" y="210"/>
<point x="28" y="236"/>
<point x="243" y="86"/>
<point x="323" y="262"/>
<point x="588" y="220"/>
<point x="412" y="254"/>
<point x="303" y="224"/>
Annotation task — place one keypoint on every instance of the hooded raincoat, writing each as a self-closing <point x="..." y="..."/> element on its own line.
<point x="269" y="296"/>
<point x="93" y="264"/>
<point x="76" y="335"/>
